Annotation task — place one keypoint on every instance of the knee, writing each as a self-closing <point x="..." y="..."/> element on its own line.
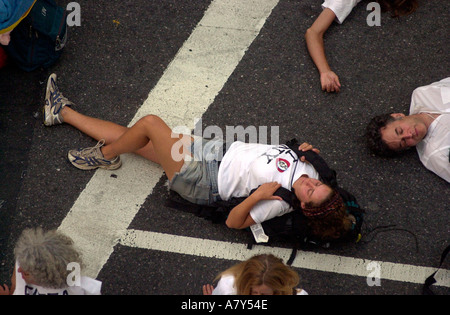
<point x="150" y="121"/>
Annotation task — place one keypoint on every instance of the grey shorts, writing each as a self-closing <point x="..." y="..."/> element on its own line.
<point x="197" y="179"/>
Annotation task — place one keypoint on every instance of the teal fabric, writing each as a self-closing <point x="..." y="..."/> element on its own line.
<point x="12" y="11"/>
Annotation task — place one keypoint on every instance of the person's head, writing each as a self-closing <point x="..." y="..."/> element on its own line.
<point x="263" y="275"/>
<point x="311" y="191"/>
<point x="399" y="7"/>
<point x="43" y="257"/>
<point x="329" y="220"/>
<point x="324" y="208"/>
<point x="390" y="134"/>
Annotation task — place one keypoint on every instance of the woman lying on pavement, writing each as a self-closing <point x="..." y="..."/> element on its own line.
<point x="195" y="167"/>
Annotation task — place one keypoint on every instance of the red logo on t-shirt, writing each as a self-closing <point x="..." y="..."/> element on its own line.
<point x="282" y="165"/>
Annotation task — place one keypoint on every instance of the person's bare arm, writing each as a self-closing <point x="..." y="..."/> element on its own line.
<point x="240" y="218"/>
<point x="314" y="41"/>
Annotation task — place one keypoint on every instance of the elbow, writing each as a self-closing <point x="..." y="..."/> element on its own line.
<point x="312" y="33"/>
<point x="233" y="225"/>
<point x="308" y="33"/>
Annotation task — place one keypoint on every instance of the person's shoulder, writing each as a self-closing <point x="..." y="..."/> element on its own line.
<point x="90" y="286"/>
<point x="225" y="286"/>
<point x="341" y="8"/>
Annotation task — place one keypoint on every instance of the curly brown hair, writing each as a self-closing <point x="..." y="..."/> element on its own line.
<point x="399" y="7"/>
<point x="373" y="136"/>
<point x="333" y="224"/>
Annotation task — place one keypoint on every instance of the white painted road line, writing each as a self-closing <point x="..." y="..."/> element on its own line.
<point x="106" y="207"/>
<point x="304" y="260"/>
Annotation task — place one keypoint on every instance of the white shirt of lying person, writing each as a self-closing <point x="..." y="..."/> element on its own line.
<point x="434" y="149"/>
<point x="88" y="286"/>
<point x="341" y="8"/>
<point x="246" y="166"/>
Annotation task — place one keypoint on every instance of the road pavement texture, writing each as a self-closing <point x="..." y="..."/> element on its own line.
<point x="233" y="65"/>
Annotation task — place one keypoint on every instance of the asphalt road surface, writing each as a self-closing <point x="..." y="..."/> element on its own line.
<point x="230" y="63"/>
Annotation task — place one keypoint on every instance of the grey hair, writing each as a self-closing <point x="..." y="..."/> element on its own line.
<point x="45" y="256"/>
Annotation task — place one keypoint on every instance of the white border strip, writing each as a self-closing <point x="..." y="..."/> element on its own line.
<point x="304" y="260"/>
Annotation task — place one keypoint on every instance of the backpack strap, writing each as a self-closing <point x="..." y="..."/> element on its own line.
<point x="287" y="196"/>
<point x="292" y="257"/>
<point x="327" y="174"/>
<point x="431" y="279"/>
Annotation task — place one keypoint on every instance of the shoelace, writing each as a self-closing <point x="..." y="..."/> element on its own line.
<point x="89" y="151"/>
<point x="58" y="100"/>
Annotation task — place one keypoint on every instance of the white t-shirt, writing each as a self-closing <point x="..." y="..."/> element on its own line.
<point x="434" y="149"/>
<point x="88" y="286"/>
<point x="246" y="166"/>
<point x="341" y="8"/>
<point x="225" y="286"/>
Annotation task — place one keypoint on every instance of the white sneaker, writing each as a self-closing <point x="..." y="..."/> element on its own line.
<point x="54" y="103"/>
<point x="92" y="158"/>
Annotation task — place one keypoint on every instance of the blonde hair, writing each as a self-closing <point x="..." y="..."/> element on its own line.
<point x="263" y="270"/>
<point x="45" y="256"/>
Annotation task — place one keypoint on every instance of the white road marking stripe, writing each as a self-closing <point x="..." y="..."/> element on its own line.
<point x="106" y="207"/>
<point x="305" y="260"/>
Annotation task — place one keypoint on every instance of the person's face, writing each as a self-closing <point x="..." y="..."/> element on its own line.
<point x="403" y="133"/>
<point x="310" y="190"/>
<point x="262" y="290"/>
<point x="5" y="39"/>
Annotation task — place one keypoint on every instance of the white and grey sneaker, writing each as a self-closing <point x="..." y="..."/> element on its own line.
<point x="92" y="158"/>
<point x="54" y="103"/>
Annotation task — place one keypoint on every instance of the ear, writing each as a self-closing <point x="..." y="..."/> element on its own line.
<point x="302" y="204"/>
<point x="397" y="116"/>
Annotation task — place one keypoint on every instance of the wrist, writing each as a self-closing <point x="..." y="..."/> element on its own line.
<point x="255" y="197"/>
<point x="325" y="71"/>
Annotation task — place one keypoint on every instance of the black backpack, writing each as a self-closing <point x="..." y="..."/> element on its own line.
<point x="39" y="39"/>
<point x="291" y="228"/>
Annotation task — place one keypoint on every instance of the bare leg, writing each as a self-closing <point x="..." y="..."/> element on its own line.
<point x="101" y="129"/>
<point x="152" y="129"/>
